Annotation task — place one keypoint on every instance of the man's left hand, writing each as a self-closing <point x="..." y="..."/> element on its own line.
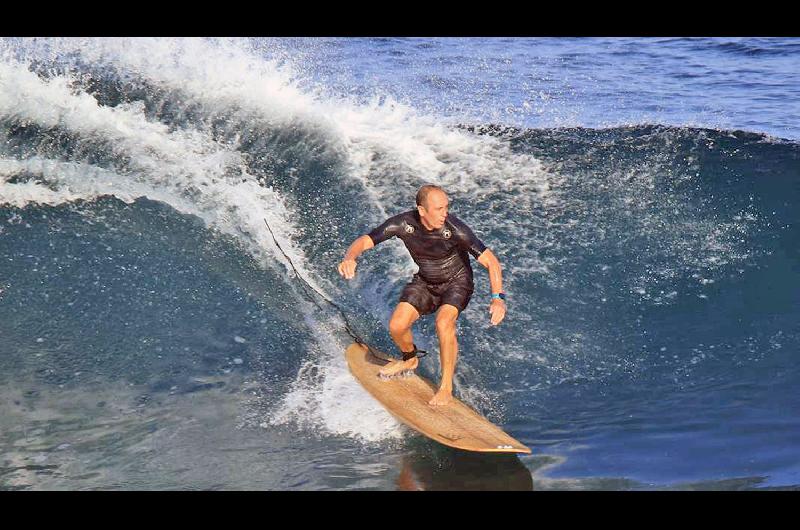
<point x="498" y="311"/>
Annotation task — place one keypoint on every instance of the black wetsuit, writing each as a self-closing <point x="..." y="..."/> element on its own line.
<point x="445" y="273"/>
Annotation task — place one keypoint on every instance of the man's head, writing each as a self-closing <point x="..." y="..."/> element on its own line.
<point x="432" y="204"/>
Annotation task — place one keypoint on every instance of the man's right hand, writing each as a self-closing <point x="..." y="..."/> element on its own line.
<point x="347" y="268"/>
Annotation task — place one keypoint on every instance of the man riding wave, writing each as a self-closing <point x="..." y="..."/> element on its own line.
<point x="440" y="244"/>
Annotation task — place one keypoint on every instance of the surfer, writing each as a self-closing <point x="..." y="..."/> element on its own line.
<point x="440" y="245"/>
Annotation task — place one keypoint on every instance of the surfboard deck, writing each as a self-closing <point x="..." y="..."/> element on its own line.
<point x="406" y="398"/>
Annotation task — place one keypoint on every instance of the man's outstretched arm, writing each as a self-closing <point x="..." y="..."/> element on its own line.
<point x="498" y="307"/>
<point x="347" y="268"/>
<point x="388" y="229"/>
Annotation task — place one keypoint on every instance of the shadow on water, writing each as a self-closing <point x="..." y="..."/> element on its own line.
<point x="432" y="467"/>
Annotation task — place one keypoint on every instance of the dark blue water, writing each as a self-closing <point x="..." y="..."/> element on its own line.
<point x="640" y="194"/>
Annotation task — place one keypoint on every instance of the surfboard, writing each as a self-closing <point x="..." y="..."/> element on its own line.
<point x="406" y="398"/>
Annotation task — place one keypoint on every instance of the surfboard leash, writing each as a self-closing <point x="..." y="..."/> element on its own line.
<point x="347" y="325"/>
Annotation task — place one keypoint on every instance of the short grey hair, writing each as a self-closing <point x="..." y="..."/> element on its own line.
<point x="422" y="194"/>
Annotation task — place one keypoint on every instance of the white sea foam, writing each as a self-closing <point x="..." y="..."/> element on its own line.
<point x="325" y="396"/>
<point x="184" y="168"/>
<point x="390" y="147"/>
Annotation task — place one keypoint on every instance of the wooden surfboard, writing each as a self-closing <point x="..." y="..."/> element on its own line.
<point x="406" y="398"/>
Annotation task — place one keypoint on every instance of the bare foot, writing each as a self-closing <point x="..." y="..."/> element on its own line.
<point x="397" y="367"/>
<point x="441" y="398"/>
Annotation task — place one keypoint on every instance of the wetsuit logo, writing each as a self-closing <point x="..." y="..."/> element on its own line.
<point x="446" y="233"/>
<point x="409" y="229"/>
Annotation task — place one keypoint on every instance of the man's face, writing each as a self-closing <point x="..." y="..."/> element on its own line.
<point x="435" y="212"/>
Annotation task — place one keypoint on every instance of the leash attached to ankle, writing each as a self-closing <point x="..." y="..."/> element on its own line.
<point x="412" y="354"/>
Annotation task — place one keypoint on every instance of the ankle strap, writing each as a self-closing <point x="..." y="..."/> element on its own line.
<point x="412" y="354"/>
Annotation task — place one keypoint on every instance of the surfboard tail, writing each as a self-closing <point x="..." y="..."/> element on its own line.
<point x="455" y="425"/>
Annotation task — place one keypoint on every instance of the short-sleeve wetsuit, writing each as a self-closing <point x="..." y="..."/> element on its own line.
<point x="442" y="254"/>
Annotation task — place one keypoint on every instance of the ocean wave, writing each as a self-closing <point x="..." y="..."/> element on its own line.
<point x="626" y="221"/>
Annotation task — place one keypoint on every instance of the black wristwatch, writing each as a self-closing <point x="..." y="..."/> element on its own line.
<point x="501" y="296"/>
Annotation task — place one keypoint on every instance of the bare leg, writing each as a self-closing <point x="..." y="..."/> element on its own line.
<point x="448" y="351"/>
<point x="400" y="324"/>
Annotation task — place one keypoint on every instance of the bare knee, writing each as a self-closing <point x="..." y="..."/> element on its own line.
<point x="402" y="319"/>
<point x="445" y="324"/>
<point x="398" y="326"/>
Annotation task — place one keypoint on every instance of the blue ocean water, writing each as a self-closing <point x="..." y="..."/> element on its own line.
<point x="640" y="194"/>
